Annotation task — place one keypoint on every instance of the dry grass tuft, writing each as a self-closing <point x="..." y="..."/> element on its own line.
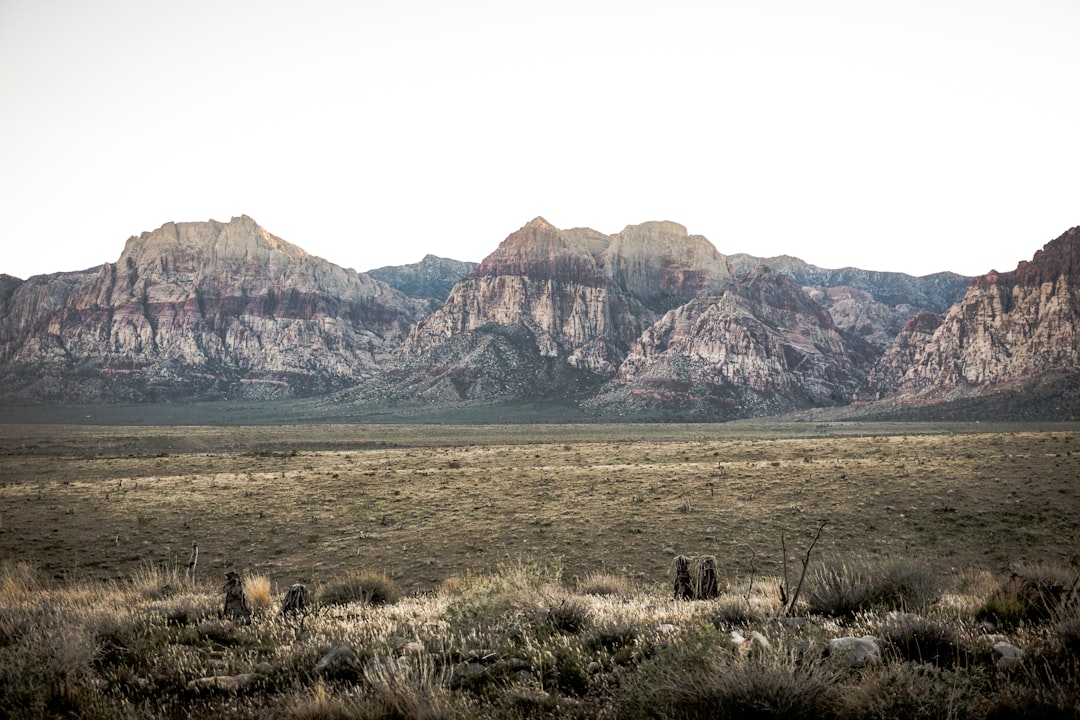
<point x="258" y="593"/>
<point x="606" y="584"/>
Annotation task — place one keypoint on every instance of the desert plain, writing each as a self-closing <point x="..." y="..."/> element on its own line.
<point x="425" y="503"/>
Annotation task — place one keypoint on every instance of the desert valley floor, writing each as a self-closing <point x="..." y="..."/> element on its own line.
<point x="426" y="503"/>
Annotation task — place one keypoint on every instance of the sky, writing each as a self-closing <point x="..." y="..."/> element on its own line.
<point x="915" y="136"/>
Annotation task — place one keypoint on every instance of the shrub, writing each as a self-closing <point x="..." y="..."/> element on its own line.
<point x="1033" y="593"/>
<point x="917" y="639"/>
<point x="701" y="678"/>
<point x="363" y="587"/>
<point x="845" y="588"/>
<point x="569" y="616"/>
<point x="914" y="691"/>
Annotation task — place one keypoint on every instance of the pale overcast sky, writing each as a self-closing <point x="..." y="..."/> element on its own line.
<point x="916" y="135"/>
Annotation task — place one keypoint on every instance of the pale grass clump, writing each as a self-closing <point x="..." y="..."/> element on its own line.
<point x="158" y="581"/>
<point x="969" y="591"/>
<point x="608" y="584"/>
<point x="18" y="581"/>
<point x="258" y="593"/>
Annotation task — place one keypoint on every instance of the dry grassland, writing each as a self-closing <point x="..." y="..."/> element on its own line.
<point x="423" y="504"/>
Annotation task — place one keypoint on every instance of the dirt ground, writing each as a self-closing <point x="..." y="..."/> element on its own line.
<point x="424" y="503"/>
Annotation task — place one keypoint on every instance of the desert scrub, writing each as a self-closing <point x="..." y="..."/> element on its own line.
<point x="700" y="676"/>
<point x="842" y="588"/>
<point x="922" y="640"/>
<point x="1033" y="593"/>
<point x="361" y="586"/>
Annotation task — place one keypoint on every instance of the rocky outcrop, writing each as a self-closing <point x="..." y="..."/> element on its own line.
<point x="430" y="279"/>
<point x="580" y="296"/>
<point x="199" y="310"/>
<point x="761" y="347"/>
<point x="1011" y="330"/>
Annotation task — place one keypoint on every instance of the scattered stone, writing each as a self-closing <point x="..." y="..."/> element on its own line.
<point x="465" y="672"/>
<point x="668" y="629"/>
<point x="1010" y="656"/>
<point x="264" y="668"/>
<point x="227" y="683"/>
<point x="759" y="641"/>
<point x="856" y="651"/>
<point x="338" y="659"/>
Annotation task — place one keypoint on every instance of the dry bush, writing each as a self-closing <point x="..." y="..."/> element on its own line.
<point x="844" y="588"/>
<point x="571" y="615"/>
<point x="361" y="586"/>
<point x="411" y="688"/>
<point x="918" y="639"/>
<point x="699" y="677"/>
<point x="18" y="581"/>
<point x="913" y="691"/>
<point x="1034" y="593"/>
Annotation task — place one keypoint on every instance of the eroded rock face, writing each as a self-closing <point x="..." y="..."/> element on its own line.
<point x="203" y="309"/>
<point x="1009" y="330"/>
<point x="582" y="296"/>
<point x="763" y="346"/>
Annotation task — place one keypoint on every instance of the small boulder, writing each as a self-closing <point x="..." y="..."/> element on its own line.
<point x="336" y="661"/>
<point x="857" y="652"/>
<point x="1009" y="656"/>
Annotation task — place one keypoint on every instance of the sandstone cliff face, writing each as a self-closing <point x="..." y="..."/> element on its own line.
<point x="430" y="279"/>
<point x="1009" y="330"/>
<point x="857" y="312"/>
<point x="762" y="347"/>
<point x="199" y="309"/>
<point x="581" y="295"/>
<point x="663" y="266"/>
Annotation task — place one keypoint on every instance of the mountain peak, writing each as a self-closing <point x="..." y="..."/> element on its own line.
<point x="540" y="223"/>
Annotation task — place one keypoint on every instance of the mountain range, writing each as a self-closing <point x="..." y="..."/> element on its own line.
<point x="649" y="323"/>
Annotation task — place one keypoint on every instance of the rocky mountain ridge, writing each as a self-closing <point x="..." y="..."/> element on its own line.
<point x="650" y="322"/>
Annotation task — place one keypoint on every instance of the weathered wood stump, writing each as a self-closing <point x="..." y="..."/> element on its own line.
<point x="705" y="584"/>
<point x="684" y="589"/>
<point x="236" y="607"/>
<point x="297" y="600"/>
